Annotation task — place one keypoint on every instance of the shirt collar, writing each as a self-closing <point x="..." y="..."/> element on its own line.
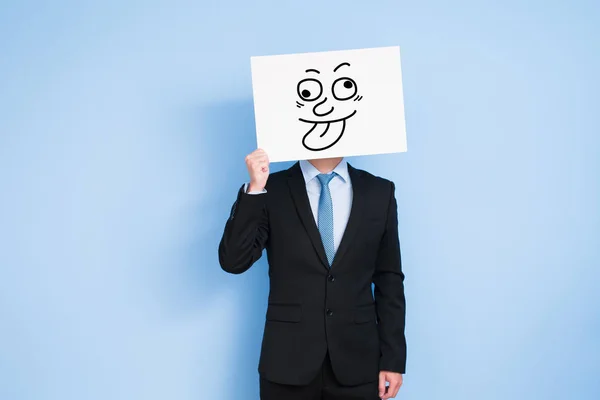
<point x="310" y="172"/>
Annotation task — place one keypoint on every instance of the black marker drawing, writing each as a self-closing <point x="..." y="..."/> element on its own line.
<point x="327" y="127"/>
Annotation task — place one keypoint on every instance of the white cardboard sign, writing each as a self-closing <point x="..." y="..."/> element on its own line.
<point x="329" y="104"/>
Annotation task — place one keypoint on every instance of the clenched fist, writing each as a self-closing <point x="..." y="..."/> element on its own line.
<point x="257" y="163"/>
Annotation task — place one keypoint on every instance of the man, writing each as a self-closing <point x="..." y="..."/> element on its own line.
<point x="330" y="231"/>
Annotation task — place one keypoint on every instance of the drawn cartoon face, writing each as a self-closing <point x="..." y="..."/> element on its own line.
<point x="325" y="106"/>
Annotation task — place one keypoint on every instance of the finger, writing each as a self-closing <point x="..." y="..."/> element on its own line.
<point x="392" y="390"/>
<point x="260" y="165"/>
<point x="255" y="154"/>
<point x="258" y="158"/>
<point x="381" y="385"/>
<point x="252" y="157"/>
<point x="257" y="162"/>
<point x="259" y="152"/>
<point x="388" y="394"/>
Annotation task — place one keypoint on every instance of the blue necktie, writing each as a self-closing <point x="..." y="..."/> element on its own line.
<point x="325" y="217"/>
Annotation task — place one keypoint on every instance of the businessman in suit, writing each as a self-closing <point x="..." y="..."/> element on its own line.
<point x="330" y="230"/>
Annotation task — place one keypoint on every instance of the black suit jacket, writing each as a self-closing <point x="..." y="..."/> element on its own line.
<point x="313" y="308"/>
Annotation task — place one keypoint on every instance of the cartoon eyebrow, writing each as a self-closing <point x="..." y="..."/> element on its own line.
<point x="342" y="64"/>
<point x="312" y="70"/>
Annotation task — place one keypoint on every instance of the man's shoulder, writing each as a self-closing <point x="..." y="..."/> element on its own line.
<point x="372" y="179"/>
<point x="278" y="178"/>
<point x="278" y="175"/>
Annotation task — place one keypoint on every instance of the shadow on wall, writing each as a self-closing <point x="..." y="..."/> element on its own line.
<point x="220" y="136"/>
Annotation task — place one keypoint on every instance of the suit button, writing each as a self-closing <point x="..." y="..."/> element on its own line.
<point x="329" y="312"/>
<point x="331" y="278"/>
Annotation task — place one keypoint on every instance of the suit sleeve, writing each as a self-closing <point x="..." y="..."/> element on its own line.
<point x="389" y="294"/>
<point x="246" y="232"/>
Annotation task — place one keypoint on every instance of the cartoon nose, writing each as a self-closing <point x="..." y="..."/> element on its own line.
<point x="317" y="113"/>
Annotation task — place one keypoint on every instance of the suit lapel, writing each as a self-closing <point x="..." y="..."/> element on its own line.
<point x="300" y="197"/>
<point x="356" y="212"/>
<point x="298" y="190"/>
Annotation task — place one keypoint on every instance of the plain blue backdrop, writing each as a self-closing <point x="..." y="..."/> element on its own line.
<point x="123" y="128"/>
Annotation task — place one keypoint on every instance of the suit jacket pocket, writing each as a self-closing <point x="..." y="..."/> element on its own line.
<point x="284" y="312"/>
<point x="364" y="314"/>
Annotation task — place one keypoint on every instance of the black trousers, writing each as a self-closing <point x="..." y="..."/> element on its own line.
<point x="324" y="387"/>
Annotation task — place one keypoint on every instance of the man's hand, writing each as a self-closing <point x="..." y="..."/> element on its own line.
<point x="395" y="381"/>
<point x="257" y="163"/>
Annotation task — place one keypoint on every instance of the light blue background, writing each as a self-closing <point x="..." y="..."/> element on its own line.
<point x="123" y="130"/>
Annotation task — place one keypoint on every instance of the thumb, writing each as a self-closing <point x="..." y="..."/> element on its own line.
<point x="381" y="384"/>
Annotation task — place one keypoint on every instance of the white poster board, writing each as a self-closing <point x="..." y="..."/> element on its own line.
<point x="329" y="104"/>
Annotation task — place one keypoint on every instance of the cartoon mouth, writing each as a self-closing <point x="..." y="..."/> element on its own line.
<point x="324" y="134"/>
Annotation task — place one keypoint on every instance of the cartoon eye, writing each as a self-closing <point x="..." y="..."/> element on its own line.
<point x="309" y="89"/>
<point x="344" y="88"/>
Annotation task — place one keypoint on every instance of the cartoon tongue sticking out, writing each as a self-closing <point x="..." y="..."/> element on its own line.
<point x="323" y="135"/>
